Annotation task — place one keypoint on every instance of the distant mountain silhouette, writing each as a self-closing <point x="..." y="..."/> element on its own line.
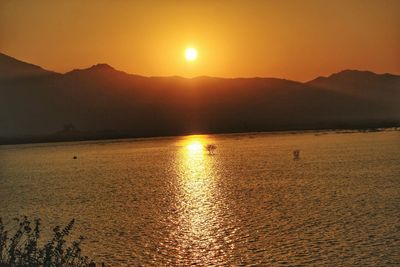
<point x="11" y="68"/>
<point x="101" y="102"/>
<point x="363" y="84"/>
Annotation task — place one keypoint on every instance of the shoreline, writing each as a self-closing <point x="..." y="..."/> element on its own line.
<point x="90" y="137"/>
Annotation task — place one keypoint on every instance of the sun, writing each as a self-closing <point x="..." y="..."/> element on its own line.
<point x="191" y="54"/>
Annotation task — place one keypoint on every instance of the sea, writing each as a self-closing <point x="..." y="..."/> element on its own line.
<point x="248" y="202"/>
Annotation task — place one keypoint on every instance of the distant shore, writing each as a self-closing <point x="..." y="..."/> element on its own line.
<point x="109" y="135"/>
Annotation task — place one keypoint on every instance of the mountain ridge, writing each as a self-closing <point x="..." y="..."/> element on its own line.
<point x="11" y="68"/>
<point x="101" y="99"/>
<point x="106" y="66"/>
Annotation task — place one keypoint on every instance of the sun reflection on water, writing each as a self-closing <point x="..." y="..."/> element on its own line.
<point x="195" y="147"/>
<point x="200" y="222"/>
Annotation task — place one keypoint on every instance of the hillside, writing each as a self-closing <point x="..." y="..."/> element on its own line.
<point x="103" y="102"/>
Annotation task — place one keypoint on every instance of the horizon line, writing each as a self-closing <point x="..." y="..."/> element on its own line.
<point x="198" y="76"/>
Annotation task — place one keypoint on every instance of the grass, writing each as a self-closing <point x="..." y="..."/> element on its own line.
<point x="19" y="246"/>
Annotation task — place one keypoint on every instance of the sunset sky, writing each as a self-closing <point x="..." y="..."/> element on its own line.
<point x="296" y="40"/>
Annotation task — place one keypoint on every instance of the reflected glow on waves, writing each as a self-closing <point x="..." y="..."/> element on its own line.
<point x="200" y="235"/>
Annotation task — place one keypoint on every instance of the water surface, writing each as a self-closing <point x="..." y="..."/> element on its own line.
<point x="166" y="202"/>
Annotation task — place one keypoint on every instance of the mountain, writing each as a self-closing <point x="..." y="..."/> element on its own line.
<point x="11" y="68"/>
<point x="378" y="88"/>
<point x="102" y="102"/>
<point x="363" y="84"/>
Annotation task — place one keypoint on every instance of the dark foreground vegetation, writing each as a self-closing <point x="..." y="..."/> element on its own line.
<point x="20" y="246"/>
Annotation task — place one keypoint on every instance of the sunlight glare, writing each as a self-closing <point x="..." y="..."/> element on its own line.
<point x="195" y="147"/>
<point x="191" y="54"/>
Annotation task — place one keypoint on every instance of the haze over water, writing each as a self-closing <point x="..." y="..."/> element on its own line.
<point x="167" y="202"/>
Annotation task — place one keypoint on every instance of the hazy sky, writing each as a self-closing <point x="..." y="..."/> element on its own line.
<point x="290" y="39"/>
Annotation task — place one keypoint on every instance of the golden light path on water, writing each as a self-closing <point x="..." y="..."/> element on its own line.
<point x="201" y="238"/>
<point x="166" y="202"/>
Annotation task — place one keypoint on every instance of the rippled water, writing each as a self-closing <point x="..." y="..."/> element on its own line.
<point x="166" y="202"/>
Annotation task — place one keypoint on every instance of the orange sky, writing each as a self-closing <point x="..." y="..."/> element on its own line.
<point x="297" y="40"/>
